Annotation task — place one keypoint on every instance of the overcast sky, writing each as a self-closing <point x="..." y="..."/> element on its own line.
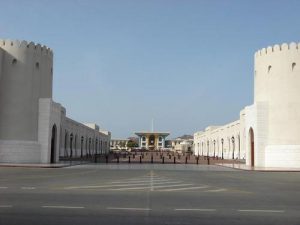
<point x="186" y="64"/>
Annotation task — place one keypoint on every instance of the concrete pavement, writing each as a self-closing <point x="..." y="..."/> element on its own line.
<point x="93" y="194"/>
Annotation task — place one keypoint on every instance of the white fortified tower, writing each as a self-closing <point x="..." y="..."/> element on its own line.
<point x="25" y="80"/>
<point x="26" y="76"/>
<point x="34" y="128"/>
<point x="274" y="119"/>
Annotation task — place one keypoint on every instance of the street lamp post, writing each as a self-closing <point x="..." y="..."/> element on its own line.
<point x="233" y="146"/>
<point x="71" y="145"/>
<point x="207" y="148"/>
<point x="214" y="148"/>
<point x="222" y="141"/>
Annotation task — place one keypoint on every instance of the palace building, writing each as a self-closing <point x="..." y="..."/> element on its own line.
<point x="152" y="140"/>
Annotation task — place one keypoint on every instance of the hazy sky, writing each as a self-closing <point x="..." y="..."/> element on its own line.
<point x="187" y="64"/>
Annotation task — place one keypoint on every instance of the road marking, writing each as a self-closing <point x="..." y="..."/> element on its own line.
<point x="240" y="191"/>
<point x="62" y="207"/>
<point x="217" y="190"/>
<point x="28" y="188"/>
<point x="151" y="174"/>
<point x="104" y="186"/>
<point x="5" y="206"/>
<point x="261" y="210"/>
<point x="173" y="185"/>
<point x="146" y="178"/>
<point x="152" y="188"/>
<point x="126" y="185"/>
<point x="132" y="209"/>
<point x="201" y="210"/>
<point x="132" y="188"/>
<point x="154" y="176"/>
<point x="142" y="181"/>
<point x="148" y="182"/>
<point x="186" y="188"/>
<point x="3" y="187"/>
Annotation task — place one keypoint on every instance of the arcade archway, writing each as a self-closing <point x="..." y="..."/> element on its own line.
<point x="53" y="143"/>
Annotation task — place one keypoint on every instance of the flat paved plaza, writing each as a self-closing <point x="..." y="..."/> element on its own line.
<point x="147" y="194"/>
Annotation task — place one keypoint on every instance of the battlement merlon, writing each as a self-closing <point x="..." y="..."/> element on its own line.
<point x="41" y="49"/>
<point x="277" y="48"/>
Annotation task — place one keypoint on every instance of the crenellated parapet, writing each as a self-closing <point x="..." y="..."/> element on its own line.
<point x="276" y="71"/>
<point x="277" y="48"/>
<point x="31" y="46"/>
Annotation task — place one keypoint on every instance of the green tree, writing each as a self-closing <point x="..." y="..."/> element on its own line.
<point x="132" y="144"/>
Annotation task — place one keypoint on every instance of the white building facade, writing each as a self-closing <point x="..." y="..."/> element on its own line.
<point x="33" y="128"/>
<point x="152" y="140"/>
<point x="119" y="144"/>
<point x="268" y="132"/>
<point x="182" y="145"/>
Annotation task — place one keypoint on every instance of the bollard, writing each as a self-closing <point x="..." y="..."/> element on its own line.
<point x="197" y="160"/>
<point x="163" y="160"/>
<point x="133" y="156"/>
<point x="106" y="159"/>
<point x="207" y="160"/>
<point x="140" y="159"/>
<point x="174" y="160"/>
<point x="151" y="158"/>
<point x="118" y="159"/>
<point x="129" y="159"/>
<point x="186" y="160"/>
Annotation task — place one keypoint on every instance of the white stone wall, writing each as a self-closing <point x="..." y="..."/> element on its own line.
<point x="282" y="156"/>
<point x="18" y="151"/>
<point x="49" y="116"/>
<point x="257" y="119"/>
<point x="220" y="141"/>
<point x="85" y="141"/>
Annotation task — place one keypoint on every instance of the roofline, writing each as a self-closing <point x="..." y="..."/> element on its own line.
<point x="150" y="132"/>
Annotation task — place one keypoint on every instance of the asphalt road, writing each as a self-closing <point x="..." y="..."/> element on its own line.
<point x="150" y="194"/>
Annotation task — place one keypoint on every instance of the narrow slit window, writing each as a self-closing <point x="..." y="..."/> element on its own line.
<point x="293" y="66"/>
<point x="14" y="61"/>
<point x="269" y="68"/>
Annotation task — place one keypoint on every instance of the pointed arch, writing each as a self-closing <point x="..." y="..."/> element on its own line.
<point x="53" y="144"/>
